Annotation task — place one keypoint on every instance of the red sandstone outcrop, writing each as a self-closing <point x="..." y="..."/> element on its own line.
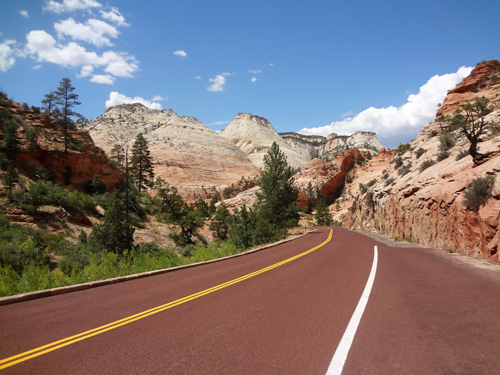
<point x="483" y="81"/>
<point x="84" y="164"/>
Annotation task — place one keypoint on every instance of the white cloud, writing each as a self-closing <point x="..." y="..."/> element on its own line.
<point x="158" y="98"/>
<point x="116" y="98"/>
<point x="350" y="113"/>
<point x="70" y="5"/>
<point x="218" y="82"/>
<point x="43" y="47"/>
<point x="198" y="77"/>
<point x="6" y="59"/>
<point x="36" y="67"/>
<point x="104" y="79"/>
<point x="255" y="71"/>
<point x="180" y="53"/>
<point x="24" y="13"/>
<point x="114" y="16"/>
<point x="271" y="64"/>
<point x="93" y="31"/>
<point x="403" y="122"/>
<point x="220" y="123"/>
<point x="254" y="79"/>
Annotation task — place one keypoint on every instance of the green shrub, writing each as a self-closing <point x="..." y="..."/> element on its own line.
<point x="398" y="162"/>
<point x="419" y="152"/>
<point x="402" y="148"/>
<point x="96" y="186"/>
<point x="462" y="154"/>
<point x="362" y="188"/>
<point x="478" y="192"/>
<point x="389" y="181"/>
<point x="446" y="141"/>
<point x="443" y="155"/>
<point x="426" y="164"/>
<point x="405" y="169"/>
<point x="81" y="202"/>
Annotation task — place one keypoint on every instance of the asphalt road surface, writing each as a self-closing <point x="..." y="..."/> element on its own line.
<point x="429" y="312"/>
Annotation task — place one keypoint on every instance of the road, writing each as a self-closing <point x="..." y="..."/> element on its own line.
<point x="429" y="312"/>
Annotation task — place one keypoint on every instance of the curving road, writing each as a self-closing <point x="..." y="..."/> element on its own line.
<point x="428" y="313"/>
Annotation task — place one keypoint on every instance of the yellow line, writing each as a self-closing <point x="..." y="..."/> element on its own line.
<point x="7" y="362"/>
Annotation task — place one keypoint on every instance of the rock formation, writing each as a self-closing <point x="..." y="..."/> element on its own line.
<point x="254" y="136"/>
<point x="185" y="152"/>
<point x="363" y="141"/>
<point x="73" y="169"/>
<point x="422" y="201"/>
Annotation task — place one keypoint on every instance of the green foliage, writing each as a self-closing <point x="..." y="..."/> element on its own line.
<point x="202" y="208"/>
<point x="371" y="183"/>
<point x="462" y="154"/>
<point x="405" y="169"/>
<point x="276" y="200"/>
<point x="362" y="188"/>
<point x="426" y="164"/>
<point x="10" y="141"/>
<point x="478" y="192"/>
<point x="446" y="141"/>
<point x="322" y="215"/>
<point x="221" y="223"/>
<point x="32" y="138"/>
<point x="370" y="201"/>
<point x="443" y="155"/>
<point x="389" y="181"/>
<point x="419" y="152"/>
<point x="402" y="148"/>
<point x="115" y="233"/>
<point x="96" y="186"/>
<point x="10" y="178"/>
<point x="66" y="100"/>
<point x="398" y="162"/>
<point x="141" y="167"/>
<point x="117" y="156"/>
<point x="81" y="201"/>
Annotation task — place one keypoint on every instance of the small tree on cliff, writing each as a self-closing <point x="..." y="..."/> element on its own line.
<point x="276" y="201"/>
<point x="322" y="215"/>
<point x="49" y="102"/>
<point x="141" y="168"/>
<point x="471" y="122"/>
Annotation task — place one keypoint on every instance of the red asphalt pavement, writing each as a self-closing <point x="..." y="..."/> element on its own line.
<point x="428" y="313"/>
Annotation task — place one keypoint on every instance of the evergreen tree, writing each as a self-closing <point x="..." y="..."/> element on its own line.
<point x="276" y="201"/>
<point x="141" y="168"/>
<point x="10" y="178"/>
<point x="10" y="142"/>
<point x="220" y="225"/>
<point x="66" y="99"/>
<point x="322" y="215"/>
<point x="243" y="228"/>
<point x="118" y="154"/>
<point x="116" y="232"/>
<point x="49" y="101"/>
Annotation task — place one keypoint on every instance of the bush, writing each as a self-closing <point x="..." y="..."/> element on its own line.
<point x="443" y="155"/>
<point x="405" y="169"/>
<point x="389" y="181"/>
<point x="462" y="154"/>
<point x="371" y="183"/>
<point x="478" y="192"/>
<point x="433" y="134"/>
<point x="419" y="152"/>
<point x="398" y="162"/>
<point x="446" y="141"/>
<point x="426" y="164"/>
<point x="402" y="148"/>
<point x="362" y="188"/>
<point x="96" y="186"/>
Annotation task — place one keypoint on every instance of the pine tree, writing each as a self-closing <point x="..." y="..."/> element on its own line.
<point x="220" y="225"/>
<point x="141" y="168"/>
<point x="10" y="178"/>
<point x="118" y="154"/>
<point x="48" y="102"/>
<point x="277" y="198"/>
<point x="66" y="99"/>
<point x="322" y="215"/>
<point x="10" y="142"/>
<point x="116" y="232"/>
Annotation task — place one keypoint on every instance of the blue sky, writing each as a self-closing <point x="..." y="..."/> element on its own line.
<point x="314" y="67"/>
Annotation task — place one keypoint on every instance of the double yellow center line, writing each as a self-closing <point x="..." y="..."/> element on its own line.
<point x="7" y="362"/>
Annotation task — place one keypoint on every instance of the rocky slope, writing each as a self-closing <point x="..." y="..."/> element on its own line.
<point x="363" y="141"/>
<point x="185" y="152"/>
<point x="72" y="169"/>
<point x="426" y="204"/>
<point x="254" y="135"/>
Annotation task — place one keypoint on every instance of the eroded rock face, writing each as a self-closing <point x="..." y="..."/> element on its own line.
<point x="185" y="152"/>
<point x="254" y="135"/>
<point x="480" y="83"/>
<point x="363" y="141"/>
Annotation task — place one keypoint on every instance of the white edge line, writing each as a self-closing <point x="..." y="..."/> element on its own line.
<point x="340" y="355"/>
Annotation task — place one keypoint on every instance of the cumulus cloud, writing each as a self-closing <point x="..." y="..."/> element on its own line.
<point x="218" y="82"/>
<point x="180" y="53"/>
<point x="93" y="31"/>
<point x="255" y="71"/>
<point x="254" y="79"/>
<point x="104" y="79"/>
<point x="24" y="13"/>
<point x="115" y="16"/>
<point x="7" y="61"/>
<point x="116" y="98"/>
<point x="70" y="5"/>
<point x="43" y="47"/>
<point x="404" y="121"/>
<point x="350" y="113"/>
